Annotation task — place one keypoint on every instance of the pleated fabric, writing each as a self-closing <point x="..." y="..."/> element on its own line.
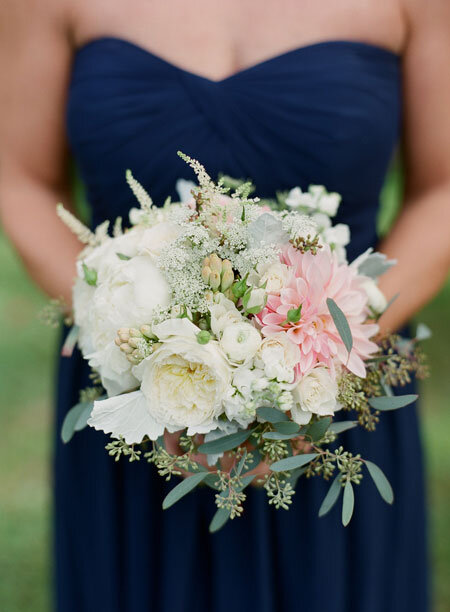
<point x="325" y="114"/>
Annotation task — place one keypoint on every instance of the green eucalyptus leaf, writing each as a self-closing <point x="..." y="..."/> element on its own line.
<point x="210" y="480"/>
<point x="183" y="488"/>
<point x="318" y="429"/>
<point x="391" y="402"/>
<point x="348" y="503"/>
<point x="341" y="426"/>
<point x="221" y="445"/>
<point x="271" y="415"/>
<point x="257" y="458"/>
<point x="275" y="435"/>
<point x="341" y="323"/>
<point x="219" y="519"/>
<point x="295" y="475"/>
<point x="381" y="482"/>
<point x="287" y="427"/>
<point x="331" y="497"/>
<point x="75" y="420"/>
<point x="290" y="463"/>
<point x="246" y="480"/>
<point x="123" y="257"/>
<point x="240" y="465"/>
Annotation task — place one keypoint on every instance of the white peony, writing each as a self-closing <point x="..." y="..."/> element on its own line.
<point x="154" y="239"/>
<point x="278" y="356"/>
<point x="240" y="341"/>
<point x="127" y="298"/>
<point x="315" y="393"/>
<point x="82" y="296"/>
<point x="376" y="299"/>
<point x="184" y="382"/>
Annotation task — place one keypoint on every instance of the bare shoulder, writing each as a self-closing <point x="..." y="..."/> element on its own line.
<point x="427" y="18"/>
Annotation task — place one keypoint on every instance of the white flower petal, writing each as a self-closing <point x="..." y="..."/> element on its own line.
<point x="127" y="416"/>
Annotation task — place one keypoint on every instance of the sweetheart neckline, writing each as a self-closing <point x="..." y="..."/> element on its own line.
<point x="243" y="71"/>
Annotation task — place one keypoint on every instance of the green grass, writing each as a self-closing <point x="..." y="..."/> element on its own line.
<point x="27" y="357"/>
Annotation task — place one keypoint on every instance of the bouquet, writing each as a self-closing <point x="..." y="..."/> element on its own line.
<point x="240" y="325"/>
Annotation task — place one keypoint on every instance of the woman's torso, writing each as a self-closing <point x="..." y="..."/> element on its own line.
<point x="325" y="112"/>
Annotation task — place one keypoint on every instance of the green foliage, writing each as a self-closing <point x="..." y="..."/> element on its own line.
<point x="119" y="447"/>
<point x="341" y="323"/>
<point x="381" y="482"/>
<point x="225" y="443"/>
<point x="348" y="503"/>
<point x="331" y="497"/>
<point x="272" y="415"/>
<point x="183" y="488"/>
<point x="391" y="402"/>
<point x="75" y="420"/>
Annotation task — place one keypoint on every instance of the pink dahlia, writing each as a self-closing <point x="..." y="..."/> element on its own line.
<point x="313" y="279"/>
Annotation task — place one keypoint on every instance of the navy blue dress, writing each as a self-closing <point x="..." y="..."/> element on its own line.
<point x="328" y="113"/>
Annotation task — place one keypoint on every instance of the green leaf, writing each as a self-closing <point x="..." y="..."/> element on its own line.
<point x="90" y="275"/>
<point x="240" y="465"/>
<point x="246" y="480"/>
<point x="341" y="426"/>
<point x="348" y="503"/>
<point x="294" y="314"/>
<point x="287" y="427"/>
<point x="275" y="435"/>
<point x="210" y="480"/>
<point x="75" y="420"/>
<point x="183" y="488"/>
<point x="221" y="445"/>
<point x="257" y="458"/>
<point x="290" y="463"/>
<point x="381" y="482"/>
<point x="388" y="402"/>
<point x="341" y="323"/>
<point x="331" y="497"/>
<point x="271" y="415"/>
<point x="318" y="429"/>
<point x="123" y="257"/>
<point x="295" y="475"/>
<point x="219" y="519"/>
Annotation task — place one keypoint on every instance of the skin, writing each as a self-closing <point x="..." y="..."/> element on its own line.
<point x="37" y="41"/>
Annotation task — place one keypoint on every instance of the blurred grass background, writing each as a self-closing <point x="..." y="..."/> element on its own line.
<point x="27" y="371"/>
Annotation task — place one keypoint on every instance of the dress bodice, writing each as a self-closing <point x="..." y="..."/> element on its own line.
<point x="327" y="113"/>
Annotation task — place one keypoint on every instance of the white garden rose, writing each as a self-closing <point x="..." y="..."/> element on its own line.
<point x="240" y="341"/>
<point x="104" y="258"/>
<point x="255" y="300"/>
<point x="278" y="356"/>
<point x="376" y="299"/>
<point x="315" y="393"/>
<point x="184" y="382"/>
<point x="126" y="298"/>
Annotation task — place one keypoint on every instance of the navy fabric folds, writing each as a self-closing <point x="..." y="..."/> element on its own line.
<point x="324" y="114"/>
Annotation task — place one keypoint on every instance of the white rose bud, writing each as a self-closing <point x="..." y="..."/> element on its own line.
<point x="256" y="300"/>
<point x="275" y="277"/>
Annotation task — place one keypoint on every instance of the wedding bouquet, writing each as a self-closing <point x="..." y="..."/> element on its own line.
<point x="239" y="324"/>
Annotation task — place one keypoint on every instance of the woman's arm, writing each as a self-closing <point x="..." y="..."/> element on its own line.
<point x="420" y="239"/>
<point x="35" y="61"/>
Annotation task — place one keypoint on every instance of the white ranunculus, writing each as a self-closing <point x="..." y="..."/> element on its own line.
<point x="240" y="341"/>
<point x="278" y="357"/>
<point x="376" y="298"/>
<point x="184" y="382"/>
<point x="223" y="313"/>
<point x="315" y="393"/>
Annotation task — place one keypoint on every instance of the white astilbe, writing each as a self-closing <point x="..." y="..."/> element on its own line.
<point x="140" y="193"/>
<point x="117" y="229"/>
<point x="81" y="231"/>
